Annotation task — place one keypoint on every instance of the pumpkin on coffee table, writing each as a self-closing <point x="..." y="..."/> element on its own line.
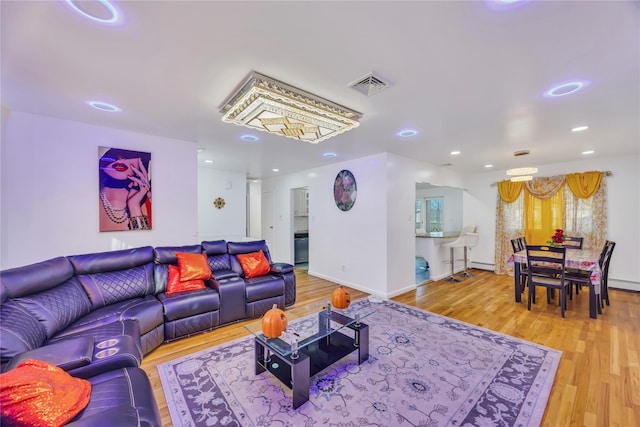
<point x="340" y="298"/>
<point x="274" y="322"/>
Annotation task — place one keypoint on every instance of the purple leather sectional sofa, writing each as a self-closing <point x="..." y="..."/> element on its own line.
<point x="97" y="315"/>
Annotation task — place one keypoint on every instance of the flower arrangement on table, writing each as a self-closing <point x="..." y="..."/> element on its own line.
<point x="557" y="239"/>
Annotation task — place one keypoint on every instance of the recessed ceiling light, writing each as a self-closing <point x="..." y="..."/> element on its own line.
<point x="407" y="133"/>
<point x="566" y="88"/>
<point x="329" y="154"/>
<point x="208" y="161"/>
<point x="200" y="150"/>
<point x="588" y="152"/>
<point x="488" y="166"/>
<point x="455" y="153"/>
<point x="250" y="138"/>
<point x="109" y="11"/>
<point x="579" y="128"/>
<point x="103" y="106"/>
<point x="275" y="170"/>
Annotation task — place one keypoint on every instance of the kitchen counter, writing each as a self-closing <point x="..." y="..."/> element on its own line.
<point x="439" y="235"/>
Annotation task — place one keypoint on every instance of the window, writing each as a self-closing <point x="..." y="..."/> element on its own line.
<point x="434" y="217"/>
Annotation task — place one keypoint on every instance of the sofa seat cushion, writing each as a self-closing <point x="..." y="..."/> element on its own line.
<point x="122" y="397"/>
<point x="147" y="311"/>
<point x="186" y="304"/>
<point x="263" y="287"/>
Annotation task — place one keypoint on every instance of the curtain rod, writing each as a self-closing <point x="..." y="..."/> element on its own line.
<point x="606" y="173"/>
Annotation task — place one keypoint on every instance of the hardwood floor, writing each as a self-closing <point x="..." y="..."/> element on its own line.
<point x="598" y="381"/>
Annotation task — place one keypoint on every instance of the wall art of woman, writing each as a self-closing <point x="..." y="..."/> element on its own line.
<point x="125" y="190"/>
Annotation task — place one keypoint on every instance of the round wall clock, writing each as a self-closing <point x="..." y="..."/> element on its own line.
<point x="344" y="190"/>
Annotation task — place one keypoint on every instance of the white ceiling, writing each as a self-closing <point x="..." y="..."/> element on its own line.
<point x="466" y="75"/>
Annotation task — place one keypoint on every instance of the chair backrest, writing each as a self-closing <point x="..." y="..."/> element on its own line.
<point x="573" y="242"/>
<point x="609" y="246"/>
<point x="546" y="261"/>
<point x="518" y="244"/>
<point x="468" y="229"/>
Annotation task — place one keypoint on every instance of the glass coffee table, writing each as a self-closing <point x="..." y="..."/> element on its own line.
<point x="310" y="345"/>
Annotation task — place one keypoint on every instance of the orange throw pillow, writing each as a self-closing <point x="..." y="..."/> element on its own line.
<point x="37" y="393"/>
<point x="174" y="285"/>
<point x="193" y="266"/>
<point x="254" y="264"/>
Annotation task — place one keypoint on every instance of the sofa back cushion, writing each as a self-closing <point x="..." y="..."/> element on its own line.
<point x="235" y="248"/>
<point x="21" y="281"/>
<point x="164" y="256"/>
<point x="217" y="255"/>
<point x="58" y="307"/>
<point x="110" y="277"/>
<point x="19" y="331"/>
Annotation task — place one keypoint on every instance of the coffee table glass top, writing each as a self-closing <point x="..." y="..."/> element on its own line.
<point x="309" y="329"/>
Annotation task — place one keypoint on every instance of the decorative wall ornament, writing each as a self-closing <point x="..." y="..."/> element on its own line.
<point x="219" y="203"/>
<point x="345" y="190"/>
<point x="263" y="103"/>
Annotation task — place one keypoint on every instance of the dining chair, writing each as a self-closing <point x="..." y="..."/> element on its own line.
<point x="572" y="242"/>
<point x="604" y="267"/>
<point x="518" y="244"/>
<point x="577" y="278"/>
<point x="546" y="266"/>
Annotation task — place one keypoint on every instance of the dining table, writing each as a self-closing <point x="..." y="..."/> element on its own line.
<point x="579" y="259"/>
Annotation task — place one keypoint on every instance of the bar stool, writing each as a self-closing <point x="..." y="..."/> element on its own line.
<point x="471" y="240"/>
<point x="460" y="242"/>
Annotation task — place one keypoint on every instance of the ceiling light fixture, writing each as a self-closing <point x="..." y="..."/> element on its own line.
<point x="407" y="133"/>
<point x="588" y="152"/>
<point x="455" y="153"/>
<point x="522" y="171"/>
<point x="103" y="106"/>
<point x="249" y="138"/>
<point x="488" y="166"/>
<point x="329" y="154"/>
<point x="268" y="105"/>
<point x="565" y="89"/>
<point x="521" y="178"/>
<point x="208" y="161"/>
<point x="112" y="16"/>
<point x="579" y="128"/>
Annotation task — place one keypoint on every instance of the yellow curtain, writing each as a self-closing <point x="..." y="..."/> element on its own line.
<point x="583" y="185"/>
<point x="542" y="216"/>
<point x="509" y="191"/>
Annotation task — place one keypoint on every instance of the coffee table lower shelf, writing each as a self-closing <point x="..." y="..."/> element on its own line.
<point x="312" y="358"/>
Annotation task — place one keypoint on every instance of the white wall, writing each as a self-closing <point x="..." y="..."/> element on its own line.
<point x="372" y="246"/>
<point x="228" y="223"/>
<point x="49" y="201"/>
<point x="623" y="207"/>
<point x="254" y="208"/>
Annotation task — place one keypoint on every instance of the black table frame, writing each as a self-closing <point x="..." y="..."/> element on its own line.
<point x="314" y="355"/>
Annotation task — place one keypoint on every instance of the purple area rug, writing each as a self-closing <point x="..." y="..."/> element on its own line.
<point x="423" y="370"/>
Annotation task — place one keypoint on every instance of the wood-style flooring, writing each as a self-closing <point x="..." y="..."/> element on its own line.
<point x="598" y="381"/>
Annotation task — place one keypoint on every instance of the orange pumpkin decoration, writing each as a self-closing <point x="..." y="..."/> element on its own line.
<point x="274" y="322"/>
<point x="340" y="298"/>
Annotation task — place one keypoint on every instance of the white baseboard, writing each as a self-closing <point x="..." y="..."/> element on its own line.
<point x="627" y="285"/>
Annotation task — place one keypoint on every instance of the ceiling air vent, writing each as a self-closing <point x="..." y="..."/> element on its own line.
<point x="370" y="84"/>
<point x="521" y="153"/>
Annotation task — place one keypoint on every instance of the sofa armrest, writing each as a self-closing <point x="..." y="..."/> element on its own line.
<point x="281" y="268"/>
<point x="67" y="354"/>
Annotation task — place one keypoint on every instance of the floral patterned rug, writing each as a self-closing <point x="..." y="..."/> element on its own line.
<point x="423" y="370"/>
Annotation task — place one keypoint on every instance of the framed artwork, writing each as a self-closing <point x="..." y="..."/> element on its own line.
<point x="345" y="190"/>
<point x="125" y="189"/>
